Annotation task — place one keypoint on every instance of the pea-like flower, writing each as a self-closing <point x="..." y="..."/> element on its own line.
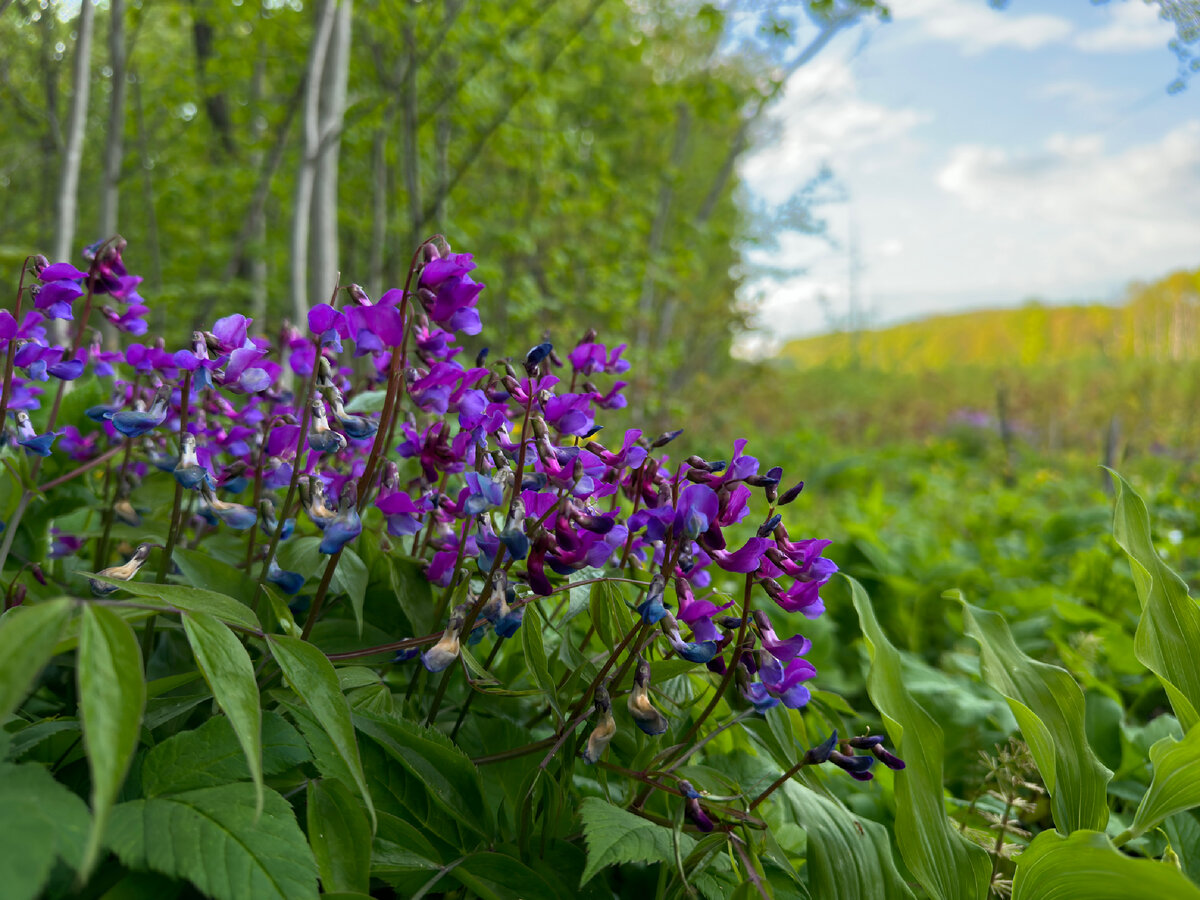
<point x="321" y="437"/>
<point x="606" y="727"/>
<point x="446" y="650"/>
<point x="234" y="515"/>
<point x="132" y="423"/>
<point x="357" y="427"/>
<point x="647" y="718"/>
<point x="27" y="437"/>
<point x="123" y="572"/>
<point x="188" y="471"/>
<point x="346" y="525"/>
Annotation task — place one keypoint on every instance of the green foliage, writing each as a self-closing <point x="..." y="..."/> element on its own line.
<point x="40" y="821"/>
<point x="1086" y="866"/>
<point x="947" y="866"/>
<point x="27" y="639"/>
<point x="616" y="836"/>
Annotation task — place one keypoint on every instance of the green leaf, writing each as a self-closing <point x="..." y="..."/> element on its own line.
<point x="366" y="402"/>
<point x="1086" y="866"/>
<point x="496" y="876"/>
<point x="848" y="857"/>
<point x="40" y="820"/>
<point x="340" y="836"/>
<point x="413" y="593"/>
<point x="211" y="755"/>
<point x="300" y="554"/>
<point x="214" y="838"/>
<point x="201" y="570"/>
<point x="1175" y="785"/>
<point x="1167" y="641"/>
<point x="27" y="638"/>
<point x="189" y="599"/>
<point x="447" y="774"/>
<point x="1050" y="709"/>
<point x="312" y="676"/>
<point x="112" y="697"/>
<point x="617" y="836"/>
<point x="946" y="864"/>
<point x="351" y="578"/>
<point x="226" y="667"/>
<point x="535" y="655"/>
<point x="281" y="613"/>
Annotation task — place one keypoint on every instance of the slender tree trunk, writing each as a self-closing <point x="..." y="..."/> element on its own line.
<point x="114" y="144"/>
<point x="256" y="266"/>
<point x="379" y="210"/>
<point x="68" y="183"/>
<point x="52" y="139"/>
<point x="143" y="144"/>
<point x="324" y="235"/>
<point x="412" y="161"/>
<point x="306" y="176"/>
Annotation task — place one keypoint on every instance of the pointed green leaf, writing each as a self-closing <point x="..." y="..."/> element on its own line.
<point x="1175" y="785"/>
<point x="535" y="654"/>
<point x="1086" y="866"/>
<point x="945" y="863"/>
<point x="615" y="835"/>
<point x="340" y="836"/>
<point x="312" y="676"/>
<point x="213" y="838"/>
<point x="202" y="570"/>
<point x="226" y="667"/>
<point x="848" y="857"/>
<point x="351" y="578"/>
<point x="1050" y="709"/>
<point x="189" y="599"/>
<point x="451" y="779"/>
<point x="27" y="638"/>
<point x="413" y="593"/>
<point x="112" y="697"/>
<point x="282" y="615"/>
<point x="1167" y="641"/>
<point x="40" y="820"/>
<point x="211" y="755"/>
<point x="496" y="876"/>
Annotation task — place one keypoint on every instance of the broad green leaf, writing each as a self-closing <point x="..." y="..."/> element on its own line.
<point x="1086" y="866"/>
<point x="848" y="857"/>
<point x="340" y="836"/>
<point x="535" y="654"/>
<point x="946" y="864"/>
<point x="447" y="774"/>
<point x="366" y="402"/>
<point x="226" y="667"/>
<point x="1050" y="709"/>
<point x="413" y="593"/>
<point x="351" y="578"/>
<point x="214" y="838"/>
<point x="300" y="554"/>
<point x="112" y="697"/>
<point x="1167" y="641"/>
<point x="40" y="820"/>
<point x="312" y="676"/>
<point x="201" y="570"/>
<point x="189" y="599"/>
<point x="27" y="638"/>
<point x="1175" y="785"/>
<point x="211" y="755"/>
<point x="616" y="836"/>
<point x="496" y="876"/>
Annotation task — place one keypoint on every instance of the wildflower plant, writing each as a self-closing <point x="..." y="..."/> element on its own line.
<point x="345" y="576"/>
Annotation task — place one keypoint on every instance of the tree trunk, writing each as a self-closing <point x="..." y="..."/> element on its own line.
<point x="305" y="177"/>
<point x="68" y="182"/>
<point x="412" y="161"/>
<point x="323" y="245"/>
<point x="114" y="146"/>
<point x="379" y="210"/>
<point x="256" y="265"/>
<point x="52" y="139"/>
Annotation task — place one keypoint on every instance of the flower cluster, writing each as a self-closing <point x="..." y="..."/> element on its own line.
<point x="497" y="477"/>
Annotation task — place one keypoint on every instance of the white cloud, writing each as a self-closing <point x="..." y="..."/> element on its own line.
<point x="819" y="119"/>
<point x="1130" y="26"/>
<point x="976" y="27"/>
<point x="1079" y="210"/>
<point x="1078" y="93"/>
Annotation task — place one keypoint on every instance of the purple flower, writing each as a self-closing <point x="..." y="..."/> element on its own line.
<point x="782" y="650"/>
<point x="56" y="297"/>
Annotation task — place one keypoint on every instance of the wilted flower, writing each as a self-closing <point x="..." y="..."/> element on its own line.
<point x="122" y="572"/>
<point x="649" y="719"/>
<point x="606" y="727"/>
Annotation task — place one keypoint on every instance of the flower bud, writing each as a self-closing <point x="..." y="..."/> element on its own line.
<point x="534" y="357"/>
<point x="589" y="337"/>
<point x="665" y="438"/>
<point x="791" y="493"/>
<point x="692" y="808"/>
<point x="765" y="529"/>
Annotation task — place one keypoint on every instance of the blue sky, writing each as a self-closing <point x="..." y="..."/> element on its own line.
<point x="989" y="156"/>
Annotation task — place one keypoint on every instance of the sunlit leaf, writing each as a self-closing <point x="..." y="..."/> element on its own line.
<point x="28" y="635"/>
<point x="1086" y="866"/>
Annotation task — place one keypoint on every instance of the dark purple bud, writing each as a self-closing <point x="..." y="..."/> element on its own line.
<point x="595" y="429"/>
<point x="858" y="766"/>
<point x="791" y="494"/>
<point x="39" y="264"/>
<point x="761" y="480"/>
<point x="37" y="572"/>
<point x="889" y="759"/>
<point x="765" y="529"/>
<point x="589" y="337"/>
<point x="866" y="742"/>
<point x="821" y="752"/>
<point x="358" y="295"/>
<point x="534" y="357"/>
<point x="665" y="438"/>
<point x="18" y="595"/>
<point x="692" y="808"/>
<point x="481" y="358"/>
<point x="697" y="463"/>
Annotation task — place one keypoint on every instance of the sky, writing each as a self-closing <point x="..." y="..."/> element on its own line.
<point x="984" y="157"/>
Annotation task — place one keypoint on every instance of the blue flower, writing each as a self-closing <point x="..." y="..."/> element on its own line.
<point x="188" y="471"/>
<point x="133" y="423"/>
<point x="34" y="443"/>
<point x="652" y="609"/>
<point x="358" y="427"/>
<point x="290" y="582"/>
<point x="346" y="525"/>
<point x="234" y="515"/>
<point x="322" y="438"/>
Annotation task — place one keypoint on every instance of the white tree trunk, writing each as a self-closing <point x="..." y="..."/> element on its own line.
<point x="306" y="175"/>
<point x="68" y="183"/>
<point x="114" y="147"/>
<point x="324" y="236"/>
